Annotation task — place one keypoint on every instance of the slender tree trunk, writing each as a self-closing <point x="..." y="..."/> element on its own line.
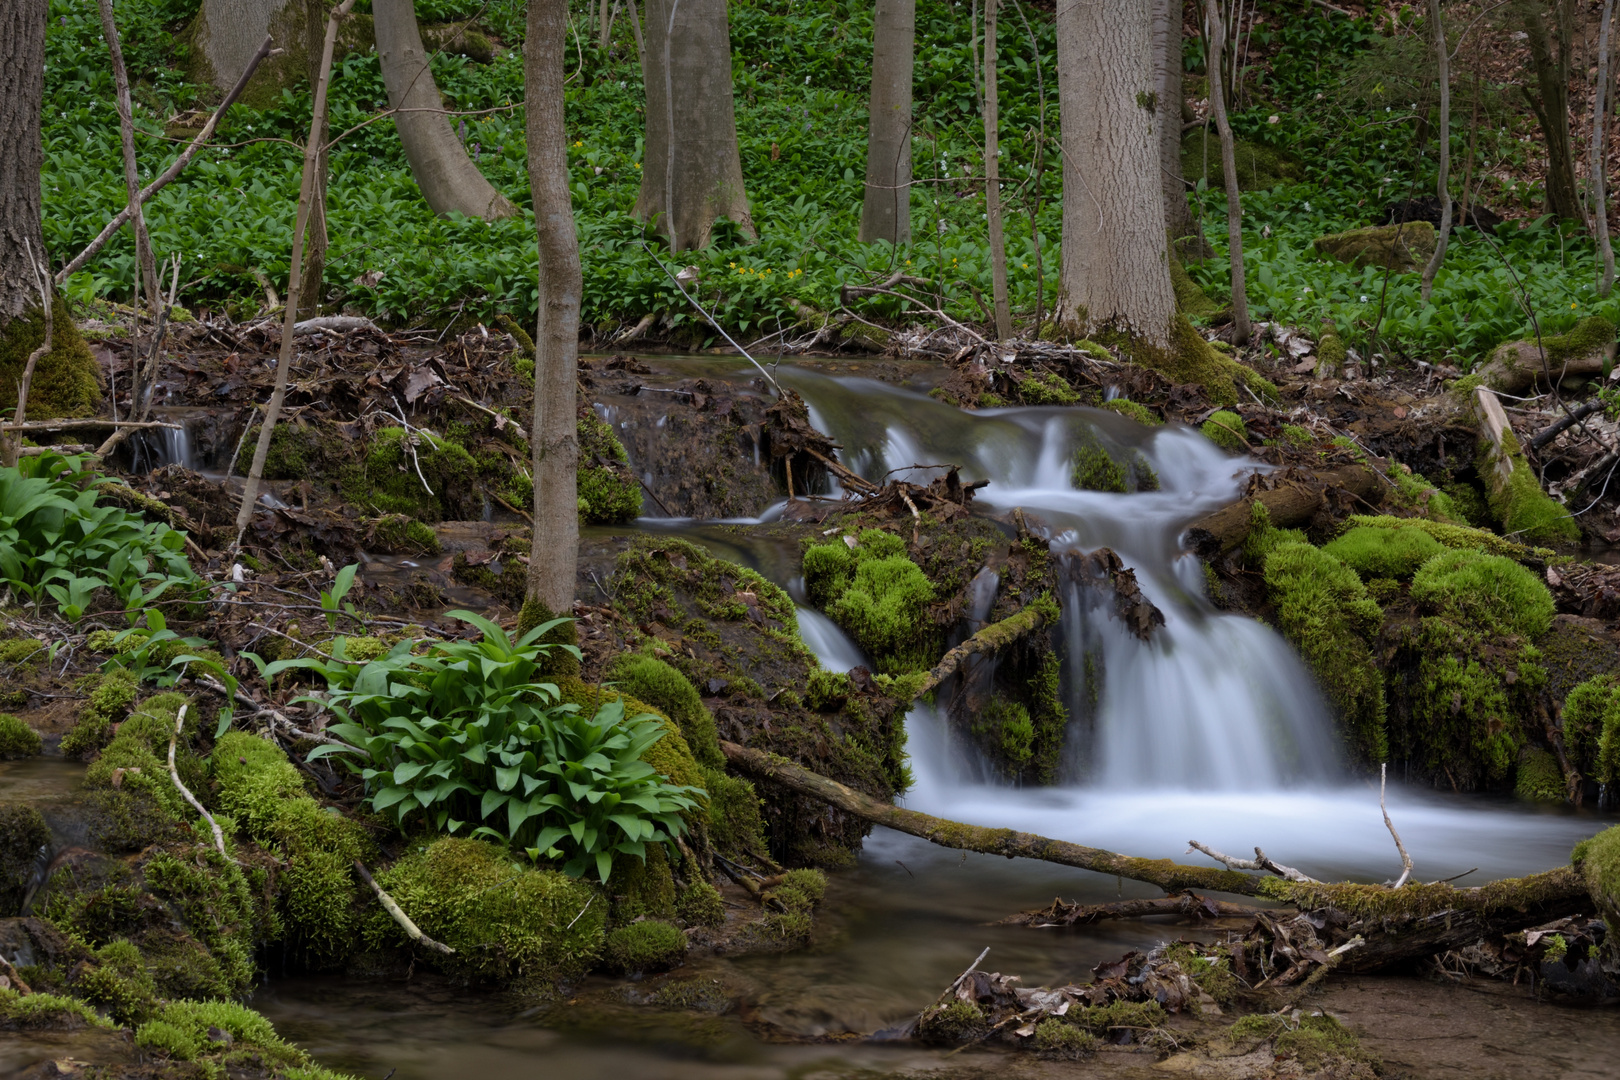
<point x="992" y="180"/>
<point x="691" y="172"/>
<point x="272" y="412"/>
<point x="1600" y="148"/>
<point x="315" y="254"/>
<point x="1115" y="261"/>
<point x="1234" y="204"/>
<point x="635" y="31"/>
<point x="602" y="23"/>
<point x="556" y="338"/>
<point x="22" y="90"/>
<point x="1551" y="101"/>
<point x="448" y="178"/>
<point x="886" y="209"/>
<point x="1167" y="53"/>
<point x="1442" y="56"/>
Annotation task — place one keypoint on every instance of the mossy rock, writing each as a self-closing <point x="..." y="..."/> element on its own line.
<point x="644" y="947"/>
<point x="388" y="479"/>
<point x="17" y="739"/>
<point x="222" y="1035"/>
<point x="118" y="983"/>
<point x="508" y="922"/>
<point x="1592" y="728"/>
<point x="1598" y="860"/>
<point x="700" y="905"/>
<point x="878" y="595"/>
<point x="1135" y="410"/>
<point x="396" y="534"/>
<point x="671" y="755"/>
<point x="1457" y="537"/>
<point x="957" y="1022"/>
<point x="45" y="1012"/>
<point x="1489" y="591"/>
<point x="1375" y="552"/>
<point x="111" y="695"/>
<point x="1056" y="1038"/>
<point x="1401" y="248"/>
<point x="659" y="684"/>
<point x="1539" y="778"/>
<point x="66" y="381"/>
<point x="1096" y="467"/>
<point x="736" y="828"/>
<point x="1259" y="167"/>
<point x="1513" y="367"/>
<point x="1226" y="430"/>
<point x="608" y="492"/>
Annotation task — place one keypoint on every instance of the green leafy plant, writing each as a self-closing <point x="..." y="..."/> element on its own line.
<point x="332" y="602"/>
<point x="158" y="655"/>
<point x="466" y="735"/>
<point x="59" y="545"/>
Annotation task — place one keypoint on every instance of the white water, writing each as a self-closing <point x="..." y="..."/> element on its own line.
<point x="1211" y="731"/>
<point x="157" y="447"/>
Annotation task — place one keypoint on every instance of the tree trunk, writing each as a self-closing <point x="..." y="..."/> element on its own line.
<point x="226" y="35"/>
<point x="448" y="178"/>
<point x="1167" y="55"/>
<point x="1551" y="101"/>
<point x="1600" y="147"/>
<point x="556" y="339"/>
<point x="886" y="210"/>
<point x="1115" y="261"/>
<point x="992" y="180"/>
<point x="311" y="294"/>
<point x="1442" y="56"/>
<point x="687" y="183"/>
<point x="1234" y="204"/>
<point x="22" y="91"/>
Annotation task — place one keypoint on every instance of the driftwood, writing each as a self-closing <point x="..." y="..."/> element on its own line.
<point x="1397" y="924"/>
<point x="1188" y="905"/>
<point x="1292" y="500"/>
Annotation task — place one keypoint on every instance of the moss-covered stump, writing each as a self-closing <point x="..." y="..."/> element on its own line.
<point x="1401" y="248"/>
<point x="1527" y="513"/>
<point x="66" y="381"/>
<point x="1515" y="367"/>
<point x="1259" y="167"/>
<point x="509" y="923"/>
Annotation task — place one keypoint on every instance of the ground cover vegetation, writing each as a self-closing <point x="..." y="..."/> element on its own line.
<point x="1333" y="119"/>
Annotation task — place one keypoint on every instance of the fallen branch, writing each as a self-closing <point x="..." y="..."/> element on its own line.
<point x="65" y="424"/>
<point x="334" y="324"/>
<point x="1563" y="424"/>
<point x="1172" y="877"/>
<point x="1293" y="501"/>
<point x="412" y="931"/>
<point x="951" y="989"/>
<point x="1406" y="860"/>
<point x="1188" y="905"/>
<point x="179" y="163"/>
<point x="1261" y="861"/>
<point x="993" y="638"/>
<point x="174" y="773"/>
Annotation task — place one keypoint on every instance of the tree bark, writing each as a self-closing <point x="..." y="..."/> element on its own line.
<point x="992" y="180"/>
<point x="22" y="156"/>
<point x="1115" y="259"/>
<point x="1167" y="55"/>
<point x="1442" y="56"/>
<point x="1234" y="204"/>
<point x="272" y="412"/>
<point x="691" y="180"/>
<point x="1550" y="103"/>
<point x="448" y="178"/>
<point x="1292" y="502"/>
<point x="556" y="340"/>
<point x="886" y="209"/>
<point x="315" y="254"/>
<point x="1600" y="147"/>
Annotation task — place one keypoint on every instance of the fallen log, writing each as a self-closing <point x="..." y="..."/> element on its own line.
<point x="993" y="638"/>
<point x="1167" y="875"/>
<point x="1518" y="367"/>
<point x="1293" y="501"/>
<point x="1527" y="513"/>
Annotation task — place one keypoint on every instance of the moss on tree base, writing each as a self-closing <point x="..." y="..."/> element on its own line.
<point x="67" y="380"/>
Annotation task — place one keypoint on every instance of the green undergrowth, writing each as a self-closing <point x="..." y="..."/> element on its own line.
<point x="878" y="595"/>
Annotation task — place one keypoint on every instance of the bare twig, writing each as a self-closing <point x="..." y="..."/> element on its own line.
<point x="146" y="193"/>
<point x="1406" y="860"/>
<point x="174" y="773"/>
<point x="1261" y="861"/>
<point x="712" y="321"/>
<point x="411" y="929"/>
<point x="958" y="980"/>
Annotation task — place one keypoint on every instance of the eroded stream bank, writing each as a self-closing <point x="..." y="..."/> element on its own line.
<point x="1152" y="707"/>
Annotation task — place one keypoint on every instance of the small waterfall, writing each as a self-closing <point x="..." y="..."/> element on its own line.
<point x="829" y="644"/>
<point x="153" y="448"/>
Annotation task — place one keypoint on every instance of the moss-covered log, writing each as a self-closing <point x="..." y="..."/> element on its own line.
<point x="1170" y="876"/>
<point x="1293" y="502"/>
<point x="992" y="638"/>
<point x="1527" y="513"/>
<point x="1516" y="367"/>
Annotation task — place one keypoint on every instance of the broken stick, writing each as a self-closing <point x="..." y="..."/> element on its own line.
<point x="412" y="931"/>
<point x="174" y="773"/>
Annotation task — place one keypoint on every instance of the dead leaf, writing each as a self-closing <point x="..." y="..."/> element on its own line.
<point x="1400" y="412"/>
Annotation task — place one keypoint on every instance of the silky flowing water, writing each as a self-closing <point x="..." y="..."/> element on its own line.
<point x="1212" y="731"/>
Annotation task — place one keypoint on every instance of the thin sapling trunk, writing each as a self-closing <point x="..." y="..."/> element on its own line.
<point x="1234" y="204"/>
<point x="992" y="180"/>
<point x="1442" y="56"/>
<point x="1600" y="146"/>
<point x="312" y="149"/>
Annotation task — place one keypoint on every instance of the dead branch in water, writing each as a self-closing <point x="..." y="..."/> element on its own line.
<point x="1261" y="861"/>
<point x="993" y="638"/>
<point x="1188" y="905"/>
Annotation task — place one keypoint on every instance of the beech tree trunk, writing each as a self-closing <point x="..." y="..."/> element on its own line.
<point x="22" y="91"/>
<point x="448" y="178"/>
<point x="1115" y="261"/>
<point x="691" y="172"/>
<point x="556" y="339"/>
<point x="1234" y="203"/>
<point x="992" y="180"/>
<point x="1442" y="56"/>
<point x="1167" y="55"/>
<point x="1550" y="57"/>
<point x="227" y="34"/>
<point x="886" y="209"/>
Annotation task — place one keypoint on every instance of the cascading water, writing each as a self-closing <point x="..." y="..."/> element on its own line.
<point x="156" y="447"/>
